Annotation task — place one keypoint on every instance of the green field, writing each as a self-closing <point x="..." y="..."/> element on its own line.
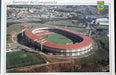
<point x="14" y="28"/>
<point x="60" y="23"/>
<point x="21" y="58"/>
<point x="57" y="38"/>
<point x="11" y="29"/>
<point x="102" y="26"/>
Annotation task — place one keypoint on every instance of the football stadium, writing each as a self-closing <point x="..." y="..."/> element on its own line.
<point x="37" y="38"/>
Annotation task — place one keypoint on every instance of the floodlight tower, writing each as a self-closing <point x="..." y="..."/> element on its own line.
<point x="65" y="26"/>
<point x="43" y="42"/>
<point x="22" y="32"/>
<point x="41" y="45"/>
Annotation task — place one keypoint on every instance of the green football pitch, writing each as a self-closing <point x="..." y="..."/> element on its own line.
<point x="56" y="38"/>
<point x="21" y="59"/>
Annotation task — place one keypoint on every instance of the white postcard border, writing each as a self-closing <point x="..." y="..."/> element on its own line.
<point x="111" y="41"/>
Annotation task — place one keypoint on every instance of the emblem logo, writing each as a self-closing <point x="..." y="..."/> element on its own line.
<point x="100" y="5"/>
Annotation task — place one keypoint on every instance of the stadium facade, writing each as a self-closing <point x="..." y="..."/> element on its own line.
<point x="81" y="44"/>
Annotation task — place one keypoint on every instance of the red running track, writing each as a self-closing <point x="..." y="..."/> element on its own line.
<point x="86" y="40"/>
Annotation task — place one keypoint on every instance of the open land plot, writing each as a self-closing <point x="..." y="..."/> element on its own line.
<point x="14" y="28"/>
<point x="21" y="59"/>
<point x="102" y="26"/>
<point x="60" y="22"/>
